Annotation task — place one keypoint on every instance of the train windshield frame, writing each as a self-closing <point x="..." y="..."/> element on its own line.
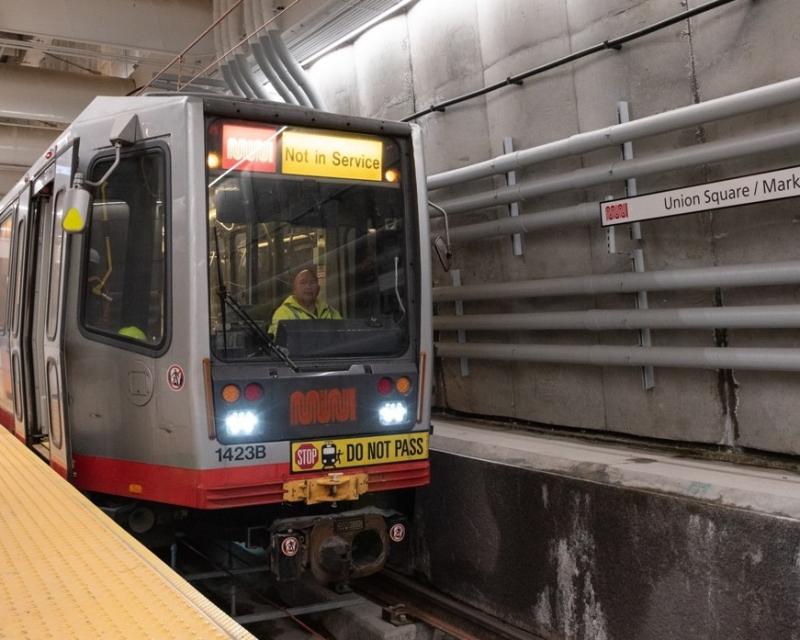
<point x="293" y="209"/>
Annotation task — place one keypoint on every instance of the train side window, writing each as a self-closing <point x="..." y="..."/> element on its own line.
<point x="19" y="264"/>
<point x="54" y="283"/>
<point x="124" y="290"/>
<point x="5" y="264"/>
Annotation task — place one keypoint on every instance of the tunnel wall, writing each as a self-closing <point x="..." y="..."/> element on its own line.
<point x="568" y="557"/>
<point x="443" y="48"/>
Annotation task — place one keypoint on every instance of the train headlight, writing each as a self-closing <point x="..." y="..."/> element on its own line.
<point x="241" y="423"/>
<point x="391" y="413"/>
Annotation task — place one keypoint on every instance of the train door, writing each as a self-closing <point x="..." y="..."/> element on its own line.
<point x="41" y="336"/>
<point x="20" y="365"/>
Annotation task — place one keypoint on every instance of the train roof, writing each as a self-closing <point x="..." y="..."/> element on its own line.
<point x="225" y="106"/>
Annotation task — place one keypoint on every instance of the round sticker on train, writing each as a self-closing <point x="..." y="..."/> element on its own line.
<point x="175" y="377"/>
<point x="290" y="546"/>
<point x="397" y="532"/>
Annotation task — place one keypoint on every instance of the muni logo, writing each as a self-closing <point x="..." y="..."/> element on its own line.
<point x="322" y="406"/>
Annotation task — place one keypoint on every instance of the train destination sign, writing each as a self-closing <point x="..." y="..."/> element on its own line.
<point x="307" y="153"/>
<point x="761" y="187"/>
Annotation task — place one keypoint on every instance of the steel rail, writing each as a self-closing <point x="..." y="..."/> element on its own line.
<point x="438" y="610"/>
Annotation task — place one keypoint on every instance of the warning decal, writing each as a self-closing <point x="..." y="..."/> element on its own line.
<point x="358" y="452"/>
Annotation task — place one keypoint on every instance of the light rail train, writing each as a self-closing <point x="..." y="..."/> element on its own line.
<point x="142" y="258"/>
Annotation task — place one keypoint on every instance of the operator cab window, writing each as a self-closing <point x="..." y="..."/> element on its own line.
<point x="125" y="261"/>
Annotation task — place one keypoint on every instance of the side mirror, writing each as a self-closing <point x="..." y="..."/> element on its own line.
<point x="76" y="209"/>
<point x="443" y="252"/>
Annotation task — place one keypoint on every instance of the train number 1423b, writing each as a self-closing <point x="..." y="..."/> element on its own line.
<point x="247" y="452"/>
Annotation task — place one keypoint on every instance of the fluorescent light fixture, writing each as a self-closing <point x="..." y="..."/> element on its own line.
<point x="357" y="32"/>
<point x="392" y="413"/>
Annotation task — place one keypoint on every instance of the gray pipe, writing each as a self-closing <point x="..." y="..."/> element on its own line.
<point x="253" y="13"/>
<point x="622" y="170"/>
<point x="286" y="78"/>
<point x="688" y="357"/>
<point x="763" y="317"/>
<point x="238" y="76"/>
<point x="274" y="78"/>
<point x="247" y="74"/>
<point x="746" y="275"/>
<point x="230" y="80"/>
<point x="725" y="107"/>
<point x="525" y="223"/>
<point x="229" y="39"/>
<point x="297" y="72"/>
<point x="219" y="49"/>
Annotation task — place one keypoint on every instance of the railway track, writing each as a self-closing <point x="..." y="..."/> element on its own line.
<point x="239" y="583"/>
<point x="405" y="600"/>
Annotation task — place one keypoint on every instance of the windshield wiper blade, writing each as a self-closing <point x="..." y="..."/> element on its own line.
<point x="263" y="337"/>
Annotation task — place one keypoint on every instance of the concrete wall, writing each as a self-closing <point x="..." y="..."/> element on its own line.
<point x="570" y="558"/>
<point x="442" y="48"/>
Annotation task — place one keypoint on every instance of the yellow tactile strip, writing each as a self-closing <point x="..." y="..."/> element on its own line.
<point x="68" y="571"/>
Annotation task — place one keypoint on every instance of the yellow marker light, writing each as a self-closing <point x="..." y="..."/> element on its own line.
<point x="73" y="221"/>
<point x="403" y="385"/>
<point x="392" y="175"/>
<point x="230" y="393"/>
<point x="135" y="488"/>
<point x="213" y="161"/>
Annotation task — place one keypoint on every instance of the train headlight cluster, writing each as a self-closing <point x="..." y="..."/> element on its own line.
<point x="241" y="423"/>
<point x="391" y="413"/>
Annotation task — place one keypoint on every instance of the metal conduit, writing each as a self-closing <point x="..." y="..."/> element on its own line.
<point x="277" y="64"/>
<point x="622" y="170"/>
<point x="242" y="19"/>
<point x="254" y="12"/>
<point x="688" y="357"/>
<point x="763" y="317"/>
<point x="238" y="76"/>
<point x="236" y="63"/>
<point x="247" y="74"/>
<point x="525" y="223"/>
<point x="716" y="109"/>
<point x="746" y="275"/>
<point x="296" y="71"/>
<point x="221" y="41"/>
<point x="269" y="72"/>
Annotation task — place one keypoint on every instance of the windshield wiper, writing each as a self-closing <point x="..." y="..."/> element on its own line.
<point x="263" y="337"/>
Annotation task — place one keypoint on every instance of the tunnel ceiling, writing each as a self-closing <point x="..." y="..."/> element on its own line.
<point x="130" y="45"/>
<point x="47" y="47"/>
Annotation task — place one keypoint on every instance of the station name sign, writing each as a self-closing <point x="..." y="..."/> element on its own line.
<point x="761" y="187"/>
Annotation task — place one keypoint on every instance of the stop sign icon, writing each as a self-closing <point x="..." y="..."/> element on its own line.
<point x="306" y="456"/>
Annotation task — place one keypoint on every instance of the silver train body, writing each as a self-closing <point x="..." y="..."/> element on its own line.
<point x="135" y="355"/>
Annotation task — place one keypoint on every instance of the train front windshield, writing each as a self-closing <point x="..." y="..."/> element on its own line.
<point x="306" y="224"/>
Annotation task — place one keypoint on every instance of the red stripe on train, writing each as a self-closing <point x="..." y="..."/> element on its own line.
<point x="221" y="487"/>
<point x="7" y="419"/>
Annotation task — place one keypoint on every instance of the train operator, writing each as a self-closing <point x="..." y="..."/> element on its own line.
<point x="302" y="304"/>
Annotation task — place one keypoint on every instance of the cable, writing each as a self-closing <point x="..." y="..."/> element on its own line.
<point x="615" y="43"/>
